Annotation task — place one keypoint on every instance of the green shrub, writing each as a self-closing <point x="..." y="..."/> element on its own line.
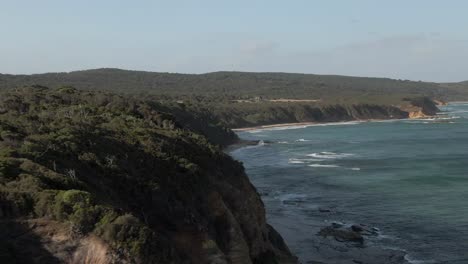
<point x="45" y="202"/>
<point x="25" y="183"/>
<point x="6" y="151"/>
<point x="77" y="207"/>
<point x="74" y="206"/>
<point x="126" y="232"/>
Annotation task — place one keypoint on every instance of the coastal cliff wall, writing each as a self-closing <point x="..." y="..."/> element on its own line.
<point x="258" y="114"/>
<point x="421" y="107"/>
<point x="239" y="117"/>
<point x="98" y="178"/>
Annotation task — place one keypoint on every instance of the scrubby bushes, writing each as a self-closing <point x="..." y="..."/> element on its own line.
<point x="74" y="206"/>
<point x="97" y="163"/>
<point x="126" y="231"/>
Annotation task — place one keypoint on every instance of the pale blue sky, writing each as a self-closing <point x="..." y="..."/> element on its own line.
<point x="405" y="39"/>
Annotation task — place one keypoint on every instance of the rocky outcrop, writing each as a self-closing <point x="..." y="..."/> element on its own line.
<point x="422" y="107"/>
<point x="440" y="102"/>
<point x="342" y="243"/>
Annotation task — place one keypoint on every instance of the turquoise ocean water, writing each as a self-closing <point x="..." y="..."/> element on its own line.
<point x="409" y="178"/>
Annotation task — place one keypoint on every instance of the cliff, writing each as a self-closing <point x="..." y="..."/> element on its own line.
<point x="97" y="178"/>
<point x="421" y="107"/>
<point x="250" y="115"/>
<point x="240" y="115"/>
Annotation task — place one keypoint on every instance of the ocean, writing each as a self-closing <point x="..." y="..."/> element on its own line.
<point x="406" y="178"/>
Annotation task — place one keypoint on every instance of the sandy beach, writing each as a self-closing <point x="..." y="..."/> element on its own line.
<point x="273" y="126"/>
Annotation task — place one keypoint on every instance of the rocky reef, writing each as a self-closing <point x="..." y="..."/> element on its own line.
<point x="349" y="243"/>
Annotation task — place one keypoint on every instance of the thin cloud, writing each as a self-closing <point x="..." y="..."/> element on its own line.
<point x="416" y="57"/>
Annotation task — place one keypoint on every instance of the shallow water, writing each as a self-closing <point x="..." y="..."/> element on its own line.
<point x="408" y="178"/>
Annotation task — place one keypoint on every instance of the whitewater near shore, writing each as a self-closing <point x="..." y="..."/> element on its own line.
<point x="368" y="192"/>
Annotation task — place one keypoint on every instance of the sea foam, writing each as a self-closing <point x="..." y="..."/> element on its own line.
<point x="294" y="161"/>
<point x="301" y="161"/>
<point x="418" y="261"/>
<point x="288" y="127"/>
<point x="329" y="155"/>
<point x="324" y="166"/>
<point x="292" y="198"/>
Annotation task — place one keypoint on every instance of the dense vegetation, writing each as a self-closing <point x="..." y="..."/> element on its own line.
<point x="209" y="102"/>
<point x="197" y="117"/>
<point x="123" y="171"/>
<point x="455" y="91"/>
<point x="234" y="85"/>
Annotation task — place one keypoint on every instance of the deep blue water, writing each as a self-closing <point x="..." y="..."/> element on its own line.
<point x="409" y="178"/>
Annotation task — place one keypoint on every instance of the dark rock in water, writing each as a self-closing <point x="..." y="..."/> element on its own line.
<point x="337" y="225"/>
<point x="250" y="142"/>
<point x="347" y="246"/>
<point x="344" y="254"/>
<point x="324" y="210"/>
<point x="357" y="228"/>
<point x="342" y="235"/>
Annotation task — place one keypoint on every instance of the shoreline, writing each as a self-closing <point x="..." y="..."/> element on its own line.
<point x="457" y="102"/>
<point x="279" y="125"/>
<point x="306" y="124"/>
<point x="276" y="125"/>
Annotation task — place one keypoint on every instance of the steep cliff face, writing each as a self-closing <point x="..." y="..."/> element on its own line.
<point x="421" y="107"/>
<point x="360" y="112"/>
<point x="259" y="114"/>
<point x="97" y="178"/>
<point x="200" y="120"/>
<point x="250" y="115"/>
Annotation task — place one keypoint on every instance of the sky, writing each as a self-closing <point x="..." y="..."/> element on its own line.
<point x="402" y="39"/>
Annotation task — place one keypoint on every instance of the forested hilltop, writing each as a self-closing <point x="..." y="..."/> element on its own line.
<point x="94" y="177"/>
<point x="238" y="85"/>
<point x="241" y="99"/>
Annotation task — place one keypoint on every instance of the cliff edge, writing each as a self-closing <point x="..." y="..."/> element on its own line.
<point x="421" y="107"/>
<point x="91" y="177"/>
